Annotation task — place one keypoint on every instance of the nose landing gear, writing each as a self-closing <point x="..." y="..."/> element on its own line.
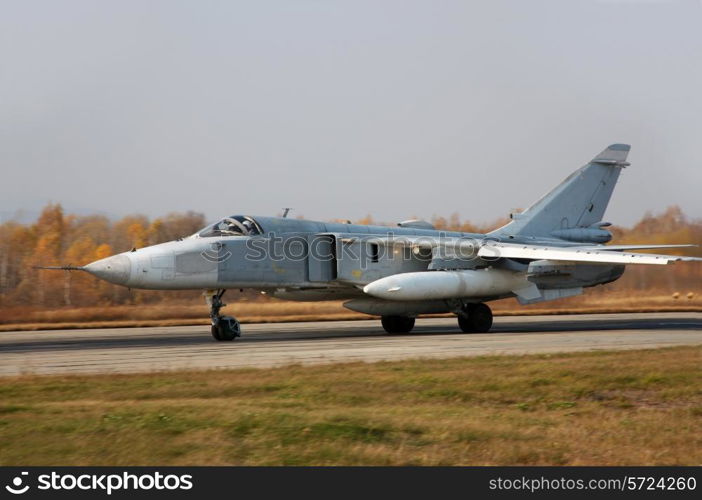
<point x="224" y="328"/>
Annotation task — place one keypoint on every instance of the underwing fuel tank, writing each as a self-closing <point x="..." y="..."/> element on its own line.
<point x="429" y="285"/>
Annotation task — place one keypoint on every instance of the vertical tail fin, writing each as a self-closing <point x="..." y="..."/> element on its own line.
<point x="579" y="201"/>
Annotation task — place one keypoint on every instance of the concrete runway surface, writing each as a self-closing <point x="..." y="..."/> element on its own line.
<point x="130" y="350"/>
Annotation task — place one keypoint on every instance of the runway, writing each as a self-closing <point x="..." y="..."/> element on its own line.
<point x="133" y="350"/>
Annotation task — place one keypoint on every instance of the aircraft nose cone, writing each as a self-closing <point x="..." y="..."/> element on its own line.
<point x="115" y="269"/>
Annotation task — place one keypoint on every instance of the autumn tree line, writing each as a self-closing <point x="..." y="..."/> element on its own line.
<point x="59" y="239"/>
<point x="56" y="238"/>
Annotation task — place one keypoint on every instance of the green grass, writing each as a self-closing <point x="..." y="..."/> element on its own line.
<point x="635" y="407"/>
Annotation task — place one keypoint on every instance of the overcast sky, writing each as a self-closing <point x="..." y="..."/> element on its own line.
<point x="344" y="108"/>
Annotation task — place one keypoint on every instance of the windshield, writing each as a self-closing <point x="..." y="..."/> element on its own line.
<point x="236" y="225"/>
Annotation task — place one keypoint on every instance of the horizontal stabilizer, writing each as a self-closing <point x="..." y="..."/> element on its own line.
<point x="528" y="293"/>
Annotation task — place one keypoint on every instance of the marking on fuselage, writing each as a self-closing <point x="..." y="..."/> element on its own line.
<point x="277" y="269"/>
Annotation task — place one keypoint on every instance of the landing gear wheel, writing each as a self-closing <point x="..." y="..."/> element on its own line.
<point x="227" y="329"/>
<point x="397" y="324"/>
<point x="476" y="318"/>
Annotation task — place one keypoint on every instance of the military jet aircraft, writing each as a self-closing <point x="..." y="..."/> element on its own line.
<point x="553" y="249"/>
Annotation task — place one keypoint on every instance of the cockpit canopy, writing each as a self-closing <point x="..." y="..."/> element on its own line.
<point x="236" y="225"/>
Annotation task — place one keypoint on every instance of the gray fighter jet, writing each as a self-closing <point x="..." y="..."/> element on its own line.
<point x="554" y="249"/>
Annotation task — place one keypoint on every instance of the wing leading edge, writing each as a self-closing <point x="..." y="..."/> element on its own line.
<point x="576" y="254"/>
<point x="492" y="250"/>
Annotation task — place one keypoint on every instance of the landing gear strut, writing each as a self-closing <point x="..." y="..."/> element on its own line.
<point x="224" y="328"/>
<point x="475" y="318"/>
<point x="397" y="324"/>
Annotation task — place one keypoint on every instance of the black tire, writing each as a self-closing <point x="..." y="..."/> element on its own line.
<point x="397" y="324"/>
<point x="227" y="329"/>
<point x="215" y="332"/>
<point x="476" y="319"/>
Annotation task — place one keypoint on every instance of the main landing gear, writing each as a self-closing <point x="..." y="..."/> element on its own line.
<point x="397" y="324"/>
<point x="475" y="318"/>
<point x="472" y="318"/>
<point x="224" y="328"/>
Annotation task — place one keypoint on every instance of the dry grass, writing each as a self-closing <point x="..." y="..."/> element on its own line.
<point x="274" y="311"/>
<point x="617" y="408"/>
<point x="169" y="315"/>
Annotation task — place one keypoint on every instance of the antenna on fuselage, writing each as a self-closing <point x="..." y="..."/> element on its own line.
<point x="286" y="211"/>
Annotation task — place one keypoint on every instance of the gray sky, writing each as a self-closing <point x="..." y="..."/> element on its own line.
<point x="343" y="108"/>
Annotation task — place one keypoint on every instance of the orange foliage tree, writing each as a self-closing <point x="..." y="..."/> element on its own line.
<point x="56" y="239"/>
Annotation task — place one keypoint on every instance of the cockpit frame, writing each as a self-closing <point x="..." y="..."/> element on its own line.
<point x="236" y="225"/>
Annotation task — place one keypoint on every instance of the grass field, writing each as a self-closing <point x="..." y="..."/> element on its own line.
<point x="605" y="408"/>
